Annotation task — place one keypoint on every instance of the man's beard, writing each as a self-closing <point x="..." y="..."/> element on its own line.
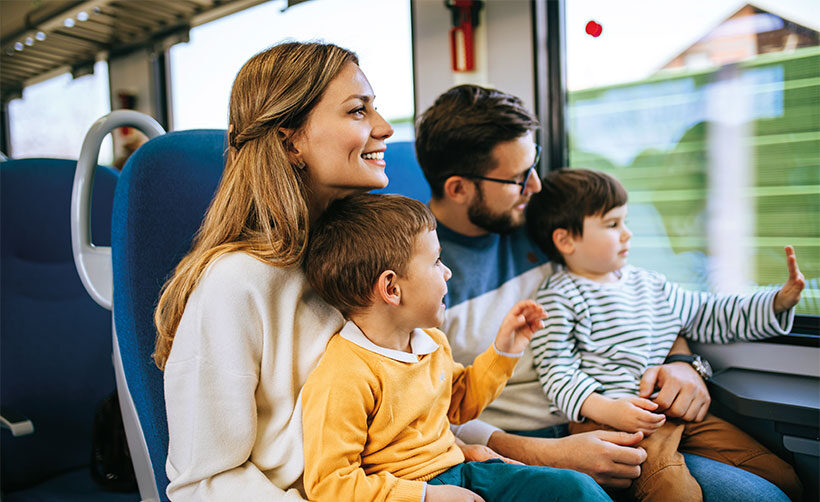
<point x="481" y="216"/>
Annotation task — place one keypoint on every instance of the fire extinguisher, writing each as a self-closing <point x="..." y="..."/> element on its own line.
<point x="462" y="44"/>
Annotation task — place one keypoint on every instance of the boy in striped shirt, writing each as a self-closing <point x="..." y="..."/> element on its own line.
<point x="608" y="322"/>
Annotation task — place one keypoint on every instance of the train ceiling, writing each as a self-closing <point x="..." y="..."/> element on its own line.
<point x="40" y="38"/>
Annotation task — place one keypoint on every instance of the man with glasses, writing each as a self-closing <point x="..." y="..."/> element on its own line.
<point x="476" y="148"/>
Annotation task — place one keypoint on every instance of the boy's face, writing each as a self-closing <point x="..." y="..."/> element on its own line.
<point x="603" y="248"/>
<point x="424" y="284"/>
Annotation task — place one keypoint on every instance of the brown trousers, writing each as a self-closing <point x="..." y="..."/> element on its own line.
<point x="664" y="475"/>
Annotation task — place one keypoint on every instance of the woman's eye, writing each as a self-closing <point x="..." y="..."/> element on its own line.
<point x="359" y="110"/>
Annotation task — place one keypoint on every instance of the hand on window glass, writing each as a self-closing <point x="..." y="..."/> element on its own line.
<point x="789" y="294"/>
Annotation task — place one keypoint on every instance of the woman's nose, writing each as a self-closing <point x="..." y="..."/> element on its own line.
<point x="447" y="273"/>
<point x="381" y="128"/>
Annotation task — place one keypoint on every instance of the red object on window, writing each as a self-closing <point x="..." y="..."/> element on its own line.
<point x="594" y="29"/>
<point x="462" y="46"/>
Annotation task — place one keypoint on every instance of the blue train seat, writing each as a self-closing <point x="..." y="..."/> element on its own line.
<point x="404" y="172"/>
<point x="160" y="200"/>
<point x="55" y="363"/>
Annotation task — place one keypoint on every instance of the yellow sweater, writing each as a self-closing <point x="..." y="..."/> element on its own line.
<point x="375" y="428"/>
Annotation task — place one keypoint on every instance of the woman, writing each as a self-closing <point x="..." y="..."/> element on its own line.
<point x="239" y="330"/>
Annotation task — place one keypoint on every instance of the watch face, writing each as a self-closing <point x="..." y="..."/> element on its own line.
<point x="702" y="366"/>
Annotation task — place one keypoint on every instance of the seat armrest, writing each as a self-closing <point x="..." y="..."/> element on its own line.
<point x="16" y="422"/>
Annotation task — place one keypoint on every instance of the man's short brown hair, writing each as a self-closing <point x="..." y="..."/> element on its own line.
<point x="356" y="239"/>
<point x="458" y="133"/>
<point x="568" y="196"/>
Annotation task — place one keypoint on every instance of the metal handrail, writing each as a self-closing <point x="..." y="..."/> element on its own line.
<point x="94" y="262"/>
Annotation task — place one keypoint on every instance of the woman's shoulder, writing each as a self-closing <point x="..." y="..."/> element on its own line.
<point x="242" y="270"/>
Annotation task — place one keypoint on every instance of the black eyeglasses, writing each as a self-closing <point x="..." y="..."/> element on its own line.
<point x="522" y="184"/>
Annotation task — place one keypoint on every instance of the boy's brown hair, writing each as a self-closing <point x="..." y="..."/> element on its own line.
<point x="568" y="196"/>
<point x="356" y="239"/>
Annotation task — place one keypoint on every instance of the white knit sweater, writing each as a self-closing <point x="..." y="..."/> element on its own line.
<point x="250" y="336"/>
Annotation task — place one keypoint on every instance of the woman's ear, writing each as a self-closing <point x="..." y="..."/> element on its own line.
<point x="458" y="189"/>
<point x="387" y="288"/>
<point x="563" y="241"/>
<point x="289" y="139"/>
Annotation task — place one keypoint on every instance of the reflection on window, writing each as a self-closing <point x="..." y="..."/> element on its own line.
<point x="53" y="116"/>
<point x="203" y="70"/>
<point x="711" y="122"/>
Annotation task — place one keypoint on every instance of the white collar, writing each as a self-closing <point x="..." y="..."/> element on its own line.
<point x="420" y="344"/>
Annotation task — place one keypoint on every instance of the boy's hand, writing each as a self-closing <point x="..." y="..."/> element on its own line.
<point x="789" y="294"/>
<point x="480" y="453"/>
<point x="518" y="326"/>
<point x="450" y="493"/>
<point x="628" y="414"/>
<point x="634" y="414"/>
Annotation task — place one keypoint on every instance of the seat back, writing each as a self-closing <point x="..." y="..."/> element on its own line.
<point x="161" y="198"/>
<point x="55" y="362"/>
<point x="404" y="172"/>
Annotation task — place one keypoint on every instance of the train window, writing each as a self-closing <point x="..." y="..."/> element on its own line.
<point x="379" y="32"/>
<point x="52" y="117"/>
<point x="708" y="114"/>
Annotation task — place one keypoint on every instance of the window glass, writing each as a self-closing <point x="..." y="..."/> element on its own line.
<point x="708" y="112"/>
<point x="203" y="70"/>
<point x="53" y="116"/>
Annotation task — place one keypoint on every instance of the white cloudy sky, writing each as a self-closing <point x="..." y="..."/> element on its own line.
<point x="655" y="30"/>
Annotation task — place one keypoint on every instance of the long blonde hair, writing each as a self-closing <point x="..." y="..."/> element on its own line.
<point x="260" y="206"/>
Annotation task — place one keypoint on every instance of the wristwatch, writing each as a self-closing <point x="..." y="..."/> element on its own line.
<point x="700" y="364"/>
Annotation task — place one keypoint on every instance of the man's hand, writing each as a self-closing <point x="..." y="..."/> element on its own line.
<point x="789" y="294"/>
<point x="682" y="393"/>
<point x="610" y="457"/>
<point x="450" y="493"/>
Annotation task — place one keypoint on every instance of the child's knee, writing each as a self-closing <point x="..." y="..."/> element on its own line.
<point x="580" y="486"/>
<point x="772" y="468"/>
<point x="673" y="478"/>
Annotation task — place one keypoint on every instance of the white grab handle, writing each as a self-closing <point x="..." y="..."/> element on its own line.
<point x="94" y="262"/>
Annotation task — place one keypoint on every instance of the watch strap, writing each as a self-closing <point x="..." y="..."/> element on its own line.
<point x="679" y="358"/>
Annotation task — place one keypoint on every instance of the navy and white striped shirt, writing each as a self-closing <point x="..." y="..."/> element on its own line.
<point x="601" y="337"/>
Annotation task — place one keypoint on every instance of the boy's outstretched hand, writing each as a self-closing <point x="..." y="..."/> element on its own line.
<point x="518" y="326"/>
<point x="789" y="294"/>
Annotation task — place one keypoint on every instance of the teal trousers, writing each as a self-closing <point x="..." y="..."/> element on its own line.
<point x="497" y="481"/>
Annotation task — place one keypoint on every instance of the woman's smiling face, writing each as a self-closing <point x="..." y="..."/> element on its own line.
<point x="342" y="143"/>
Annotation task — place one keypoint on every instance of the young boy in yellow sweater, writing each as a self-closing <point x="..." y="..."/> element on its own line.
<point x="376" y="410"/>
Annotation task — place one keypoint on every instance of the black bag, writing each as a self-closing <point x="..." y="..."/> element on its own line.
<point x="111" y="465"/>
